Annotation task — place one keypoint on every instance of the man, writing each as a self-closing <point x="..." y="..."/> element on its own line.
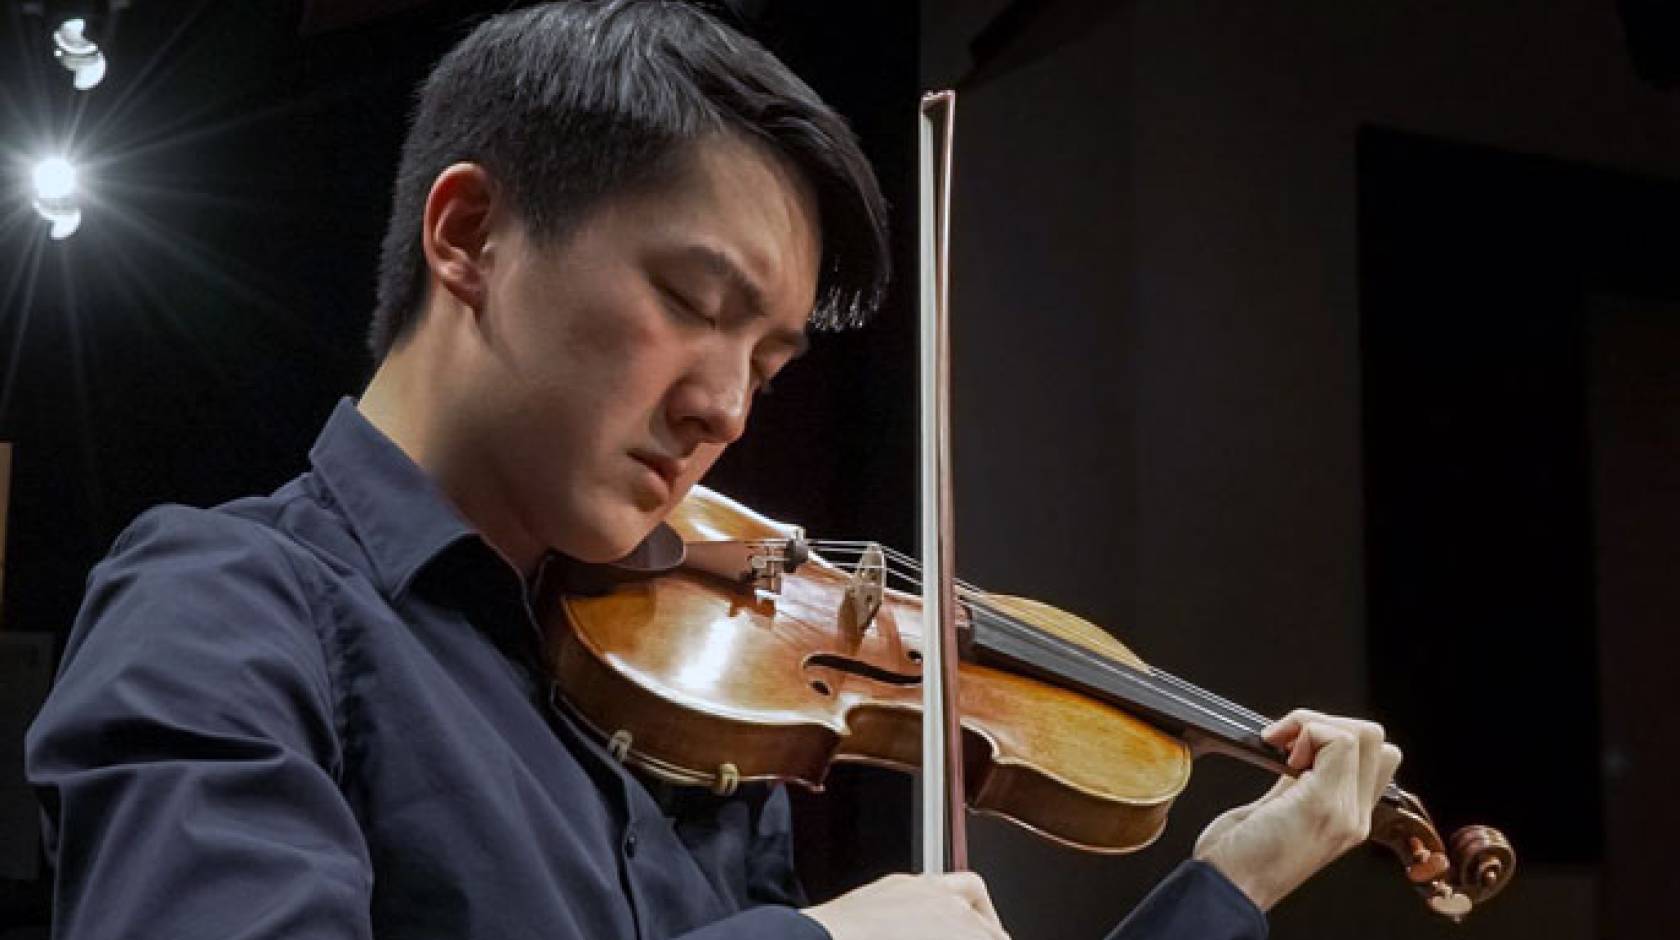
<point x="319" y="713"/>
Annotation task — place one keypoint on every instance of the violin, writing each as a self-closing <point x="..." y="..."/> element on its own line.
<point x="730" y="649"/>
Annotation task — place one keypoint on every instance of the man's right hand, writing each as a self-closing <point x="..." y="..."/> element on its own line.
<point x="913" y="907"/>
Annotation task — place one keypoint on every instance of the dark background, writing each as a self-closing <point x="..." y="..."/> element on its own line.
<point x="1324" y="352"/>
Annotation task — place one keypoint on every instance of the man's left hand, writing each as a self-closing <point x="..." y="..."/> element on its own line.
<point x="1269" y="847"/>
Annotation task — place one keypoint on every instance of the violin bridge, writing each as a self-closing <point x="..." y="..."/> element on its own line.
<point x="863" y="592"/>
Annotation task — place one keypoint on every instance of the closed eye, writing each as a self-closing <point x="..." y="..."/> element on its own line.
<point x="675" y="298"/>
<point x="763" y="374"/>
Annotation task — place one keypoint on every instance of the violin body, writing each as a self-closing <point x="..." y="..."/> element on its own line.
<point x="716" y="666"/>
<point x="701" y="684"/>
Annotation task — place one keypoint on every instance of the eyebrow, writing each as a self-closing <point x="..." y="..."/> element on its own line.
<point x="721" y="265"/>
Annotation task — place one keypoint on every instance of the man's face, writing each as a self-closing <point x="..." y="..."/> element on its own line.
<point x="616" y="366"/>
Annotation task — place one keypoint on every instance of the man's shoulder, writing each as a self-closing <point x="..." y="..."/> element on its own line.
<point x="202" y="622"/>
<point x="171" y="547"/>
<point x="293" y="527"/>
<point x="240" y="579"/>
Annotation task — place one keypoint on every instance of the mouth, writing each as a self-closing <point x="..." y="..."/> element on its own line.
<point x="666" y="468"/>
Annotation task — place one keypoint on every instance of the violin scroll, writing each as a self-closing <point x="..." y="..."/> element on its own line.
<point x="1452" y="877"/>
<point x="1482" y="859"/>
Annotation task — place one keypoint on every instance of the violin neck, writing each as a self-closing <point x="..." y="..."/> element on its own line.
<point x="1207" y="722"/>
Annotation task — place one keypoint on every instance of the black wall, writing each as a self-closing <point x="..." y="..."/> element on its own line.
<point x="187" y="343"/>
<point x="1166" y="309"/>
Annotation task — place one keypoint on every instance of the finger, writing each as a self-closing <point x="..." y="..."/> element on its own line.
<point x="1285" y="730"/>
<point x="1330" y="751"/>
<point x="1282" y="783"/>
<point x="1389" y="763"/>
<point x="1371" y="738"/>
<point x="1234" y="816"/>
<point x="1314" y="736"/>
<point x="972" y="889"/>
<point x="1300" y="752"/>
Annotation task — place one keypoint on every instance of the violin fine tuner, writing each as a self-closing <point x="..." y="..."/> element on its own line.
<point x="768" y="562"/>
<point x="753" y="564"/>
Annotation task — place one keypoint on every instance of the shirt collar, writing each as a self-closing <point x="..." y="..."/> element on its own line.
<point x="398" y="513"/>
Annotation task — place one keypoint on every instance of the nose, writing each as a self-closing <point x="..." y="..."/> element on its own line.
<point x="713" y="402"/>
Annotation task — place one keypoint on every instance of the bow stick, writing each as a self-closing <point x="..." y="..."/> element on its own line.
<point x="944" y="835"/>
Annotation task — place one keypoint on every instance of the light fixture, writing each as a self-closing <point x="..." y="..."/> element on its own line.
<point x="55" y="196"/>
<point x="79" y="54"/>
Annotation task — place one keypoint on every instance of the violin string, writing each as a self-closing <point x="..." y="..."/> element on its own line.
<point x="1127" y="674"/>
<point x="892" y="554"/>
<point x="1215" y="708"/>
<point x="1246" y="719"/>
<point x="1253" y="722"/>
<point x="977" y="595"/>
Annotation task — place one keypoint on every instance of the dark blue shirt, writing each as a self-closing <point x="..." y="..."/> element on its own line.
<point x="315" y="714"/>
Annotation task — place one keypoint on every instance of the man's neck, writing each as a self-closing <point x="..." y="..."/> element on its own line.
<point x="403" y="400"/>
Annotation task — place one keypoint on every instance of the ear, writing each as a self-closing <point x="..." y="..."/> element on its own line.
<point x="455" y="232"/>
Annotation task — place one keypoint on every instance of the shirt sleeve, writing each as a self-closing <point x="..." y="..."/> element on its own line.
<point x="745" y="845"/>
<point x="185" y="757"/>
<point x="771" y="878"/>
<point x="1195" y="902"/>
<point x="767" y="922"/>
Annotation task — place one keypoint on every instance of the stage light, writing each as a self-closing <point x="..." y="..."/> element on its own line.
<point x="64" y="224"/>
<point x="55" y="196"/>
<point x="78" y="53"/>
<point x="55" y="179"/>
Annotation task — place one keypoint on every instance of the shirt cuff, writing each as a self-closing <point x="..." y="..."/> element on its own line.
<point x="769" y="922"/>
<point x="1196" y="900"/>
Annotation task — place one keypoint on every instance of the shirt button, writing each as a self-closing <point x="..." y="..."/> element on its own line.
<point x="630" y="844"/>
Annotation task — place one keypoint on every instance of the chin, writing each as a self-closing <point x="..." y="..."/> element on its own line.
<point x="613" y="538"/>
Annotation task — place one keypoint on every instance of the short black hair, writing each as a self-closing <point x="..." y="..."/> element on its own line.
<point x="565" y="104"/>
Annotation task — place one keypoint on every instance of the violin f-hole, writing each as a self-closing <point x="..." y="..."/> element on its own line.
<point x="859" y="668"/>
